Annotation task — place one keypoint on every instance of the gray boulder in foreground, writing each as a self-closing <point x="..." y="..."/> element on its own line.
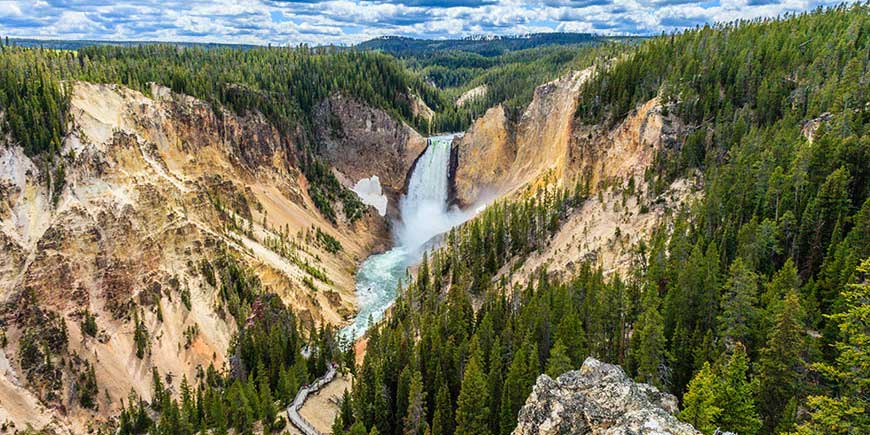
<point x="598" y="399"/>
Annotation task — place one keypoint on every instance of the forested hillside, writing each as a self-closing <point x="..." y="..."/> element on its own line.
<point x="508" y="79"/>
<point x="750" y="305"/>
<point x="484" y="46"/>
<point x="508" y="76"/>
<point x="283" y="84"/>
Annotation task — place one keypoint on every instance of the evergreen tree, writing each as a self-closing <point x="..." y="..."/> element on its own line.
<point x="559" y="362"/>
<point x="442" y="422"/>
<point x="358" y="429"/>
<point x="415" y="417"/>
<point x="738" y="305"/>
<point x="268" y="412"/>
<point x="781" y="365"/>
<point x="847" y="412"/>
<point x="735" y="396"/>
<point x="495" y="381"/>
<point x="345" y="411"/>
<point x="570" y="332"/>
<point x="700" y="407"/>
<point x="517" y="385"/>
<point x="472" y="407"/>
<point x="650" y="338"/>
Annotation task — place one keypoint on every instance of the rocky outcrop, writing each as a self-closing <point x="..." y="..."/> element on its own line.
<point x="810" y="127"/>
<point x="598" y="399"/>
<point x="501" y="151"/>
<point x="471" y="95"/>
<point x="361" y="141"/>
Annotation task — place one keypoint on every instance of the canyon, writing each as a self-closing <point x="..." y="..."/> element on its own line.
<point x="157" y="186"/>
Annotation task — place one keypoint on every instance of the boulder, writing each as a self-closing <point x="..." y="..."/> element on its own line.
<point x="599" y="399"/>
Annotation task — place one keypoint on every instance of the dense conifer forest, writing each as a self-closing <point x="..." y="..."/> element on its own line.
<point x="751" y="307"/>
<point x="510" y="77"/>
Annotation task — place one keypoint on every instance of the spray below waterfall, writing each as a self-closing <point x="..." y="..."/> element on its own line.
<point x="424" y="215"/>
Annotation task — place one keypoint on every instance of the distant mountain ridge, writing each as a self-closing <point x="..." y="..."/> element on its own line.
<point x="486" y="45"/>
<point x="481" y="44"/>
<point x="75" y="44"/>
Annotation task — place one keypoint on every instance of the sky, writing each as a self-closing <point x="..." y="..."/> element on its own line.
<point x="316" y="22"/>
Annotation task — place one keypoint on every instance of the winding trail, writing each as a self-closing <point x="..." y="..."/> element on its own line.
<point x="293" y="410"/>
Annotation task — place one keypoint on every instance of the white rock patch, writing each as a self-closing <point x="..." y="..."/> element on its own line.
<point x="370" y="192"/>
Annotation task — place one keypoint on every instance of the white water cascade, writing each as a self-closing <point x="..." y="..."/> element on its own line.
<point x="424" y="215"/>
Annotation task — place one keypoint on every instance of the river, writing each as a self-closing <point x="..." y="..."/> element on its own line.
<point x="424" y="214"/>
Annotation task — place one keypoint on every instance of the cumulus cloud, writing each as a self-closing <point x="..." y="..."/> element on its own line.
<point x="291" y="22"/>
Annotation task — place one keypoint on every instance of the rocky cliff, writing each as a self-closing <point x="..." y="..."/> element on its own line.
<point x="598" y="399"/>
<point x="621" y="209"/>
<point x="153" y="190"/>
<point x="504" y="151"/>
<point x="361" y="142"/>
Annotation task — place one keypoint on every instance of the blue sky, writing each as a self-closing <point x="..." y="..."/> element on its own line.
<point x="317" y="22"/>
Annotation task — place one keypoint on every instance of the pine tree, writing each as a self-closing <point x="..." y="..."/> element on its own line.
<point x="345" y="412"/>
<point x="267" y="403"/>
<point x="650" y="349"/>
<point x="287" y="386"/>
<point x="514" y="391"/>
<point x="559" y="362"/>
<point x="570" y="332"/>
<point x="472" y="411"/>
<point x="738" y="315"/>
<point x="442" y="421"/>
<point x="700" y="408"/>
<point x="781" y="365"/>
<point x="415" y="417"/>
<point x="159" y="396"/>
<point x="358" y="429"/>
<point x="403" y="389"/>
<point x="847" y="412"/>
<point x="735" y="396"/>
<point x="495" y="381"/>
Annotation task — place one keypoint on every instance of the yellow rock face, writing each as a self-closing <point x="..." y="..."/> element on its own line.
<point x="504" y="151"/>
<point x="154" y="187"/>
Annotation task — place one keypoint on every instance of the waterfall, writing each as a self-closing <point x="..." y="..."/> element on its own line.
<point x="424" y="208"/>
<point x="424" y="215"/>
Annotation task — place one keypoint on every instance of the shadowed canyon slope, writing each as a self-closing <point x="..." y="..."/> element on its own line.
<point x="360" y="141"/>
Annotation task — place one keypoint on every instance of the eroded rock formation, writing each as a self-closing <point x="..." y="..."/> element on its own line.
<point x="361" y="141"/>
<point x="503" y="151"/>
<point x="598" y="399"/>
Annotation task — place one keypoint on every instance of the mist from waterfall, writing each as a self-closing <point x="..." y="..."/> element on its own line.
<point x="424" y="215"/>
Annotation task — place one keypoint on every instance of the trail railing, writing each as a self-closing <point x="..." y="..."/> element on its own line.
<point x="293" y="410"/>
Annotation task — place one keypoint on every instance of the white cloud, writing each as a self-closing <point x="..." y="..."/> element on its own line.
<point x="350" y="21"/>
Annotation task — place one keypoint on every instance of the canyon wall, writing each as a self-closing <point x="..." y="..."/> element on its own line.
<point x="155" y="190"/>
<point x="361" y="142"/>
